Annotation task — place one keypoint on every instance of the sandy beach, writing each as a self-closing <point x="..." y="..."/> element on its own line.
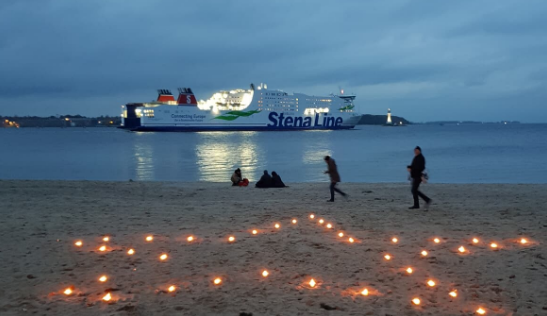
<point x="41" y="220"/>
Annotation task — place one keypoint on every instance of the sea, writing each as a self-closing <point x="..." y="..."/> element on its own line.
<point x="475" y="153"/>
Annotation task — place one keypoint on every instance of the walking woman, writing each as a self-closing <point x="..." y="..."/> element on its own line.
<point x="334" y="177"/>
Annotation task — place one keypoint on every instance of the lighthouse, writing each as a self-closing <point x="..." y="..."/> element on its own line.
<point x="388" y="122"/>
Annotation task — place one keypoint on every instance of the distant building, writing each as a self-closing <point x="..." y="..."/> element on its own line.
<point x="388" y="122"/>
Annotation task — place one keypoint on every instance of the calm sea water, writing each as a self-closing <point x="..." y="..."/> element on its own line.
<point x="455" y="154"/>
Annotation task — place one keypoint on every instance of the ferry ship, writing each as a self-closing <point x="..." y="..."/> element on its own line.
<point x="255" y="109"/>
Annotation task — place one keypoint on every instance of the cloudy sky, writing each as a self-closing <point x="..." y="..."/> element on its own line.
<point x="426" y="60"/>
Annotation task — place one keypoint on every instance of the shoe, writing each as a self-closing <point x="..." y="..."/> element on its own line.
<point x="330" y="200"/>
<point x="428" y="204"/>
<point x="414" y="208"/>
<point x="345" y="196"/>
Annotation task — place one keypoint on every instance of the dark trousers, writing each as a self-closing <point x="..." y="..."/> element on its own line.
<point x="416" y="193"/>
<point x="333" y="188"/>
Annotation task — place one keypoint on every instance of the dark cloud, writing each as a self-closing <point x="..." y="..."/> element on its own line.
<point x="465" y="57"/>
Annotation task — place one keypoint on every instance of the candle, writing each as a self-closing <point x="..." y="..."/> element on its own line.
<point x="329" y="225"/>
<point x="461" y="249"/>
<point x="78" y="243"/>
<point x="131" y="251"/>
<point x="424" y="253"/>
<point x="312" y="216"/>
<point x="106" y="239"/>
<point x="102" y="248"/>
<point x="67" y="291"/>
<point x="172" y="288"/>
<point x="494" y="245"/>
<point x="364" y="292"/>
<point x="340" y="234"/>
<point x="321" y="221"/>
<point x="387" y="257"/>
<point x="107" y="297"/>
<point x="149" y="238"/>
<point x="255" y="231"/>
<point x="431" y="283"/>
<point x="312" y="283"/>
<point x="416" y="301"/>
<point x="277" y="225"/>
<point x="294" y="221"/>
<point x="265" y="273"/>
<point x="453" y="293"/>
<point x="409" y="270"/>
<point x="231" y="239"/>
<point x="475" y="240"/>
<point x="217" y="281"/>
<point x="481" y="311"/>
<point x="190" y="238"/>
<point x="436" y="240"/>
<point x="394" y="240"/>
<point x="523" y="241"/>
<point x="351" y="240"/>
<point x="103" y="278"/>
<point x="163" y="257"/>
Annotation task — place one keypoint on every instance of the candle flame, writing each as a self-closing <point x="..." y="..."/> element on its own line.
<point x="231" y="239"/>
<point x="436" y="240"/>
<point x="424" y="253"/>
<point x="277" y="226"/>
<point x="163" y="257"/>
<point x="394" y="240"/>
<point x="453" y="293"/>
<point x="294" y="221"/>
<point x="103" y="278"/>
<point x="190" y="238"/>
<point x="217" y="281"/>
<point x="312" y="283"/>
<point x="131" y="251"/>
<point x="149" y="238"/>
<point x="321" y="221"/>
<point x="481" y="311"/>
<point x="106" y="239"/>
<point x="255" y="231"/>
<point x="475" y="240"/>
<point x="351" y="240"/>
<point x="494" y="245"/>
<point x="364" y="292"/>
<point x="461" y="249"/>
<point x="68" y="291"/>
<point x="102" y="248"/>
<point x="329" y="225"/>
<point x="387" y="257"/>
<point x="172" y="288"/>
<point x="78" y="243"/>
<point x="409" y="270"/>
<point x="431" y="283"/>
<point x="265" y="273"/>
<point x="523" y="241"/>
<point x="340" y="234"/>
<point x="312" y="216"/>
<point x="416" y="301"/>
<point x="107" y="297"/>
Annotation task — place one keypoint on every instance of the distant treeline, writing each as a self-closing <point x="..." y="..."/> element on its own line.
<point x="369" y="119"/>
<point x="59" y="121"/>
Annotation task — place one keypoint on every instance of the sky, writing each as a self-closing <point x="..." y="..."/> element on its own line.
<point x="426" y="60"/>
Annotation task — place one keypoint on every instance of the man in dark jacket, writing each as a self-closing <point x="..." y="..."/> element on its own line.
<point x="416" y="170"/>
<point x="334" y="177"/>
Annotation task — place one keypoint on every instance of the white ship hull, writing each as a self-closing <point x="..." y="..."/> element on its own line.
<point x="265" y="110"/>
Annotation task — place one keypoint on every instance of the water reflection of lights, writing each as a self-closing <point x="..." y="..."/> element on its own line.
<point x="144" y="160"/>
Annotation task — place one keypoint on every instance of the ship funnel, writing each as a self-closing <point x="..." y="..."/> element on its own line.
<point x="186" y="97"/>
<point x="165" y="95"/>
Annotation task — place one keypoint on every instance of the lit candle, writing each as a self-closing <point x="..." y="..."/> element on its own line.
<point x="453" y="293"/>
<point x="78" y="243"/>
<point x="277" y="225"/>
<point x="351" y="240"/>
<point x="387" y="257"/>
<point x="103" y="278"/>
<point x="265" y="273"/>
<point x="394" y="240"/>
<point x="107" y="297"/>
<point x="436" y="240"/>
<point x="312" y="283"/>
<point x="190" y="238"/>
<point x="149" y="238"/>
<point x="294" y="221"/>
<point x="431" y="283"/>
<point x="255" y="231"/>
<point x="340" y="234"/>
<point x="481" y="311"/>
<point x="321" y="221"/>
<point x="494" y="245"/>
<point x="461" y="249"/>
<point x="131" y="251"/>
<point x="475" y="240"/>
<point x="172" y="288"/>
<point x="67" y="291"/>
<point x="231" y="239"/>
<point x="312" y="216"/>
<point x="106" y="239"/>
<point x="163" y="257"/>
<point x="409" y="270"/>
<point x="217" y="281"/>
<point x="329" y="225"/>
<point x="523" y="241"/>
<point x="416" y="301"/>
<point x="364" y="292"/>
<point x="102" y="248"/>
<point x="424" y="253"/>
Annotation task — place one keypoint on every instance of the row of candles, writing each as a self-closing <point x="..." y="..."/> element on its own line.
<point x="312" y="283"/>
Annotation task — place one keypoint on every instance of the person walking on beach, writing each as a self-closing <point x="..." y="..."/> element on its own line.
<point x="334" y="178"/>
<point x="416" y="170"/>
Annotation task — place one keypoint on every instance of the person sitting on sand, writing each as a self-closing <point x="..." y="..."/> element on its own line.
<point x="265" y="181"/>
<point x="238" y="180"/>
<point x="276" y="180"/>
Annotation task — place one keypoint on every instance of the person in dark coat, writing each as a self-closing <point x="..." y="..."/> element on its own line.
<point x="416" y="170"/>
<point x="265" y="181"/>
<point x="332" y="170"/>
<point x="276" y="180"/>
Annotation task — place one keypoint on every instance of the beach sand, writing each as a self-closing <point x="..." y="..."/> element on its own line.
<point x="41" y="220"/>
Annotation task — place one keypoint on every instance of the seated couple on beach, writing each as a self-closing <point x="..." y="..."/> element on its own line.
<point x="238" y="180"/>
<point x="267" y="181"/>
